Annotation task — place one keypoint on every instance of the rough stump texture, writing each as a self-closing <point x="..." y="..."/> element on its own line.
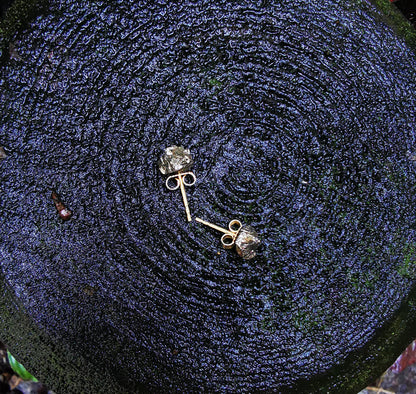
<point x="300" y="119"/>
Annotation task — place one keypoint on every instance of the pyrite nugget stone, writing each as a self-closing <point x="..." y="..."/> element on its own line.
<point x="175" y="159"/>
<point x="247" y="242"/>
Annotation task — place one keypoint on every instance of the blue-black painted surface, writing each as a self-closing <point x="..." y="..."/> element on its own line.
<point x="300" y="119"/>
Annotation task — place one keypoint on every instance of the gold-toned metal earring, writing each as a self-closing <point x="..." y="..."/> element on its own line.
<point x="177" y="159"/>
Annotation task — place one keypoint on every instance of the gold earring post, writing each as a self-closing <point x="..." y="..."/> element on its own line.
<point x="214" y="226"/>
<point x="184" y="198"/>
<point x="180" y="183"/>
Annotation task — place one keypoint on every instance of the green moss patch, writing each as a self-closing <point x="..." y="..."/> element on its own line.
<point x="395" y="19"/>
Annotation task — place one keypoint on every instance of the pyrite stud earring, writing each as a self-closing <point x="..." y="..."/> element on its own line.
<point x="245" y="238"/>
<point x="177" y="159"/>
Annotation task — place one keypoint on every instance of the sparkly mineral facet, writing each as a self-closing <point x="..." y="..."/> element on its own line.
<point x="247" y="242"/>
<point x="174" y="159"/>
